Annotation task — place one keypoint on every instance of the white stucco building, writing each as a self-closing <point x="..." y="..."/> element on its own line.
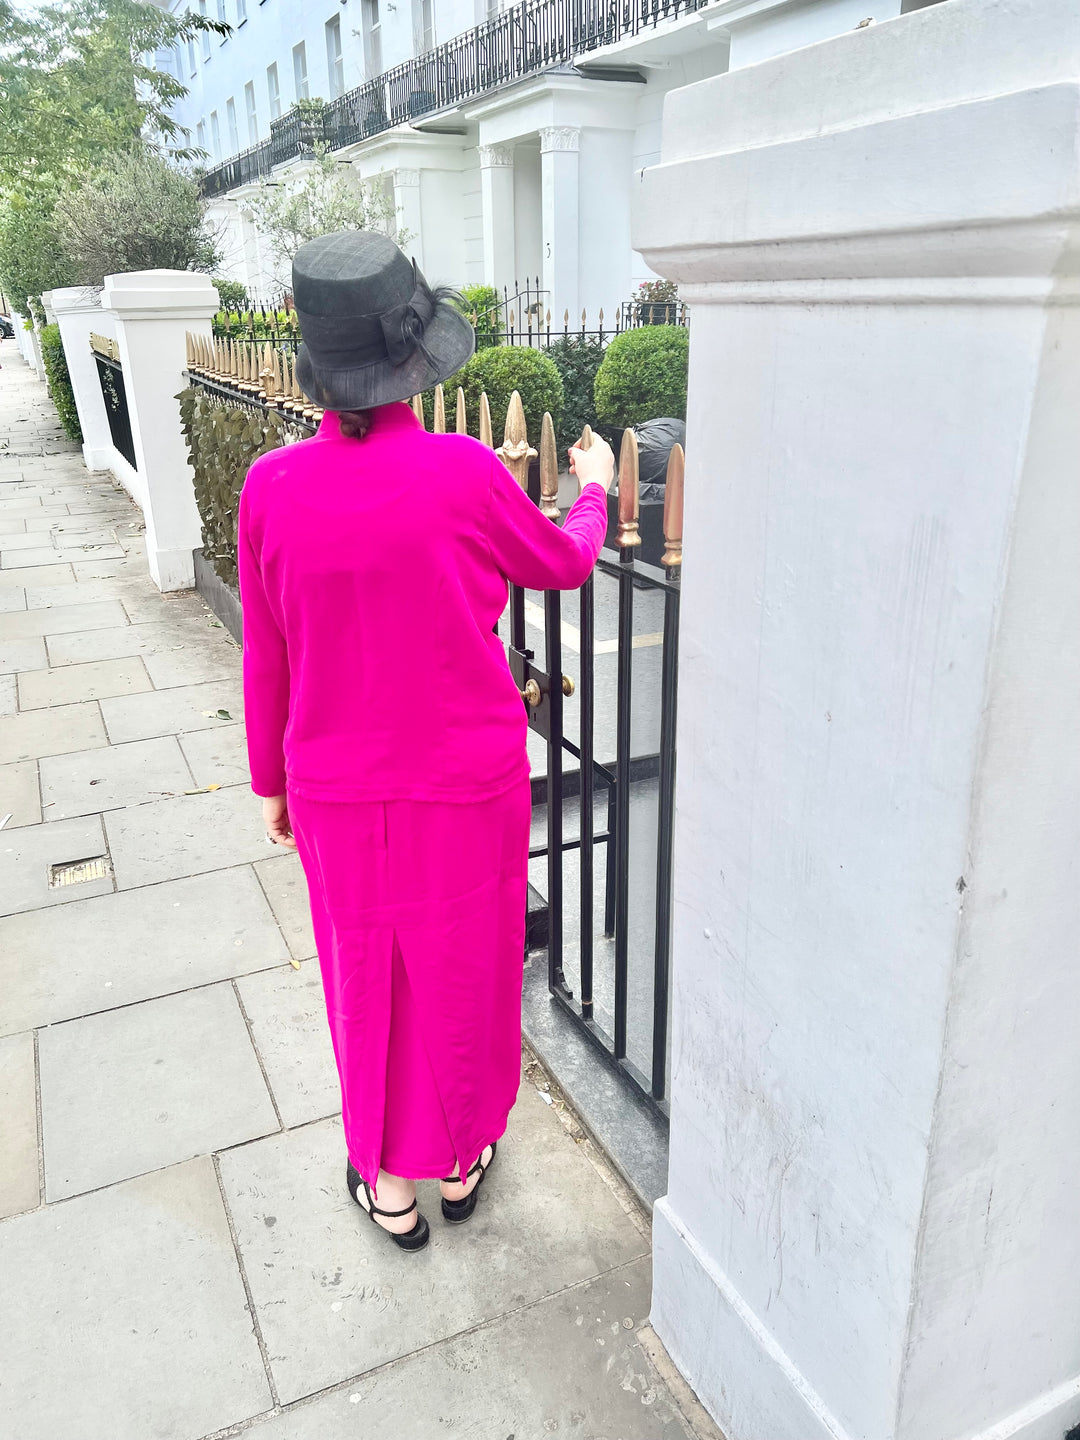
<point x="511" y="138"/>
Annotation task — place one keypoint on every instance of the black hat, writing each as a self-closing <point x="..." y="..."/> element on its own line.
<point x="373" y="329"/>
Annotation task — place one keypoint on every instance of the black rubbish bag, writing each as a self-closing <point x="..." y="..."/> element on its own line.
<point x="656" y="439"/>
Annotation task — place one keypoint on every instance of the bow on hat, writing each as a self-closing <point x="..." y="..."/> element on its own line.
<point x="403" y="326"/>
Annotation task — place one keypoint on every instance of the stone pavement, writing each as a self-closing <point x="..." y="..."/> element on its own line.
<point x="180" y="1257"/>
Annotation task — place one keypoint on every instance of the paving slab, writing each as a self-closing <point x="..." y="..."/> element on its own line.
<point x="59" y="619"/>
<point x="287" y="1013"/>
<point x="145" y="605"/>
<point x="27" y="853"/>
<point x="282" y="878"/>
<point x="47" y="555"/>
<point x="171" y="712"/>
<point x="335" y="1298"/>
<point x="124" y="1316"/>
<point x="11" y="527"/>
<point x="28" y="540"/>
<point x="12" y="598"/>
<point x="76" y="534"/>
<point x="39" y="689"/>
<point x="21" y="655"/>
<point x="109" y="569"/>
<point x="131" y="1090"/>
<point x="196" y="663"/>
<point x="19" y="1188"/>
<point x="112" y="776"/>
<point x="86" y="592"/>
<point x="51" y="732"/>
<point x="595" y="1379"/>
<point x="20" y="795"/>
<point x="36" y="575"/>
<point x="217" y="756"/>
<point x="8" y="695"/>
<point x="134" y="945"/>
<point x="117" y="641"/>
<point x="186" y="836"/>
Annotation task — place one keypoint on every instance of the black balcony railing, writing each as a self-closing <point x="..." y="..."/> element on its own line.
<point x="523" y="40"/>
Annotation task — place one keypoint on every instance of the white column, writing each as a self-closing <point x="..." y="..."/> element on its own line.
<point x="33" y="350"/>
<point x="409" y="217"/>
<point x="78" y="313"/>
<point x="154" y="309"/>
<point x="497" y="201"/>
<point x="559" y="149"/>
<point x="871" y="1224"/>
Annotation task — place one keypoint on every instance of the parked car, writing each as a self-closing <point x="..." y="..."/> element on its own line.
<point x="7" y="328"/>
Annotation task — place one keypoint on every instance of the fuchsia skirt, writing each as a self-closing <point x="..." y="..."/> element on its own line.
<point x="419" y="916"/>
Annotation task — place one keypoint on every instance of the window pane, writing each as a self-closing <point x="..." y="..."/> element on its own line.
<point x="234" y="134"/>
<point x="252" y="113"/>
<point x="299" y="60"/>
<point x="215" y="135"/>
<point x="221" y="10"/>
<point x="241" y="11"/>
<point x="200" y="135"/>
<point x="205" y="33"/>
<point x="272" y="91"/>
<point x="335" y="68"/>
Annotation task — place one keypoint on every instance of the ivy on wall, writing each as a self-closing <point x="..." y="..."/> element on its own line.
<point x="223" y="442"/>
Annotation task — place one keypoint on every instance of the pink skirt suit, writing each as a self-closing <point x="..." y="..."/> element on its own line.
<point x="372" y="574"/>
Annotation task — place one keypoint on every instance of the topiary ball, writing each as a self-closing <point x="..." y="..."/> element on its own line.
<point x="643" y="375"/>
<point x="500" y="370"/>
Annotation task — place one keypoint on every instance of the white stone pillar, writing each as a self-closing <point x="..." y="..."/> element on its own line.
<point x="78" y="314"/>
<point x="497" y="201"/>
<point x="46" y="305"/>
<point x="559" y="149"/>
<point x="871" y="1224"/>
<point x="33" y="350"/>
<point x="154" y="309"/>
<point x="409" y="216"/>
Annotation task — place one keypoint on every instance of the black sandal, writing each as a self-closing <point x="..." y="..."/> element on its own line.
<point x="458" y="1211"/>
<point x="414" y="1239"/>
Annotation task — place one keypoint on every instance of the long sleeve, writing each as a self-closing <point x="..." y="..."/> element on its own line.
<point x="266" y="670"/>
<point x="532" y="551"/>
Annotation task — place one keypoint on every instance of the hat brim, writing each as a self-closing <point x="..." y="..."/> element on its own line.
<point x="449" y="338"/>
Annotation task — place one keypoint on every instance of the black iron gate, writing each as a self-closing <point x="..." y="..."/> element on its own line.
<point x="615" y="781"/>
<point x="114" y="394"/>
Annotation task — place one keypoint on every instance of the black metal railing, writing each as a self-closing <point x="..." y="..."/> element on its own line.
<point x="529" y="37"/>
<point x="114" y="394"/>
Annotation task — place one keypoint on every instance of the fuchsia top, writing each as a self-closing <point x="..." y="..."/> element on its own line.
<point x="372" y="574"/>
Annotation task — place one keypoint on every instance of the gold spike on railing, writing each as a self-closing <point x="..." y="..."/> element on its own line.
<point x="673" y="507"/>
<point x="417" y="403"/>
<point x="601" y="317"/>
<point x="486" y="436"/>
<point x="439" y="426"/>
<point x="200" y="352"/>
<point x="297" y="393"/>
<point x="583" y="317"/>
<point x="566" y="318"/>
<point x="515" y="452"/>
<point x="459" y="413"/>
<point x="548" y="319"/>
<point x="585" y="443"/>
<point x="189" y="349"/>
<point x="549" y="470"/>
<point x="628" y="492"/>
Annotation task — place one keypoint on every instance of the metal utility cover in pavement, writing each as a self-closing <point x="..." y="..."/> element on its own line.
<point x="78" y="871"/>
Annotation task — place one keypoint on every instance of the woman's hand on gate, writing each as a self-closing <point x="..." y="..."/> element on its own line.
<point x="593" y="466"/>
<point x="276" y="821"/>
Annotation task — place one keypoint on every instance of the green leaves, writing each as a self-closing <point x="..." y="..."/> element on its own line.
<point x="56" y="373"/>
<point x="643" y="376"/>
<point x="500" y="370"/>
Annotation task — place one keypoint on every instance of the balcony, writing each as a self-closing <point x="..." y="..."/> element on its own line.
<point x="524" y="40"/>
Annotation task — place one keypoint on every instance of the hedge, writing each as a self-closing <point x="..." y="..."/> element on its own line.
<point x="643" y="376"/>
<point x="577" y="361"/>
<point x="500" y="370"/>
<point x="59" y="382"/>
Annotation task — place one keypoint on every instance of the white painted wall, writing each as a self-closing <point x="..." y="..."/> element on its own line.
<point x="872" y="1204"/>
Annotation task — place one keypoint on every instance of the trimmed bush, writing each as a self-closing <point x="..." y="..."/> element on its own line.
<point x="643" y="376"/>
<point x="577" y="361"/>
<point x="481" y="301"/>
<point x="59" y="381"/>
<point x="231" y="294"/>
<point x="500" y="370"/>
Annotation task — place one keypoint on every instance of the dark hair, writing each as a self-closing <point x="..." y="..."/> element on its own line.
<point x="354" y="423"/>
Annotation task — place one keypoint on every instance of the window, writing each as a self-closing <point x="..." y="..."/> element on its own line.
<point x="205" y="33"/>
<point x="191" y="55"/>
<point x="299" y="70"/>
<point x="215" y="135"/>
<point x="200" y="134"/>
<point x="423" y="26"/>
<point x="234" y="133"/>
<point x="372" y="37"/>
<point x="241" y="11"/>
<point x="252" y="113"/>
<point x="273" y="91"/>
<point x="335" y="67"/>
<point x="221" y="12"/>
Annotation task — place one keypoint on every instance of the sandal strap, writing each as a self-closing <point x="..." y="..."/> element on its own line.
<point x="453" y="1179"/>
<point x="373" y="1209"/>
